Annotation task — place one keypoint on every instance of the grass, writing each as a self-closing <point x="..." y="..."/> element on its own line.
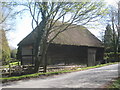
<point x="32" y="75"/>
<point x="50" y="73"/>
<point x="12" y="64"/>
<point x="115" y="84"/>
<point x="101" y="65"/>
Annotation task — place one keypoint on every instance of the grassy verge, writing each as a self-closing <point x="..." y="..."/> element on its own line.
<point x="49" y="73"/>
<point x="115" y="84"/>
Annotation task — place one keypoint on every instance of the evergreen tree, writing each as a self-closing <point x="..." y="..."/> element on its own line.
<point x="108" y="38"/>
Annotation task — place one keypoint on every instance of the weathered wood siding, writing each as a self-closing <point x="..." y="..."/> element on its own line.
<point x="27" y="55"/>
<point x="67" y="54"/>
<point x="91" y="56"/>
<point x="99" y="55"/>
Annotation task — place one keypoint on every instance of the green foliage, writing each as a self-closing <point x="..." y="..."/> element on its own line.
<point x="108" y="37"/>
<point x="110" y="56"/>
<point x="115" y="84"/>
<point x="5" y="48"/>
<point x="111" y="44"/>
<point x="13" y="53"/>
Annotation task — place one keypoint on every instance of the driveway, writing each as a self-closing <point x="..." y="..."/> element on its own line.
<point x="92" y="78"/>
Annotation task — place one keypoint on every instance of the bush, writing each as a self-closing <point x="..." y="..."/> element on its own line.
<point x="13" y="53"/>
<point x="110" y="57"/>
<point x="116" y="84"/>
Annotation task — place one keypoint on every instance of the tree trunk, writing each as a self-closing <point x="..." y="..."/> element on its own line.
<point x="44" y="62"/>
<point x="45" y="56"/>
<point x="39" y="46"/>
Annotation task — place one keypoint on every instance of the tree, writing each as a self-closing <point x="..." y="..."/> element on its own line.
<point x="5" y="50"/>
<point x="108" y="37"/>
<point x="46" y="16"/>
<point x="118" y="30"/>
<point x="13" y="53"/>
<point x="113" y="40"/>
<point x="5" y="10"/>
<point x="5" y="15"/>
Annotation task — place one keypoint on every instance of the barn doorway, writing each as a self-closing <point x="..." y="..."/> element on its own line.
<point x="91" y="56"/>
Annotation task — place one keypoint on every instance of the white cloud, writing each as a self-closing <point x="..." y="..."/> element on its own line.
<point x="23" y="28"/>
<point x="112" y="2"/>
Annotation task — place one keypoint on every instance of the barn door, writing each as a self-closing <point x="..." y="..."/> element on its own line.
<point x="91" y="56"/>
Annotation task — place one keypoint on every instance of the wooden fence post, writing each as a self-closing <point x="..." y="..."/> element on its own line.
<point x="9" y="68"/>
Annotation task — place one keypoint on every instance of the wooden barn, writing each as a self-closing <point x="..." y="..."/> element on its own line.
<point x="74" y="46"/>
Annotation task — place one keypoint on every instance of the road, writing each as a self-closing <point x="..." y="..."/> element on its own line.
<point x="92" y="78"/>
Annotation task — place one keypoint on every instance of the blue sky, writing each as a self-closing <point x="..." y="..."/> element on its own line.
<point x="23" y="28"/>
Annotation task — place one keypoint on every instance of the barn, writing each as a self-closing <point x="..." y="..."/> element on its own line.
<point x="74" y="46"/>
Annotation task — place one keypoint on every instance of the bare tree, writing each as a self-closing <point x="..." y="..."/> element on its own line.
<point x="46" y="16"/>
<point x="115" y="19"/>
<point x="5" y="12"/>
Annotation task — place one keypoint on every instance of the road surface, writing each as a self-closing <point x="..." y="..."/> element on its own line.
<point x="92" y="78"/>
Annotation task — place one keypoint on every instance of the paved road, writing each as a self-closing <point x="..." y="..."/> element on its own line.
<point x="92" y="78"/>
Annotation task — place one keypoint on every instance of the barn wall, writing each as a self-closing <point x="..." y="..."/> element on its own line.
<point x="19" y="53"/>
<point x="95" y="55"/>
<point x="67" y="54"/>
<point x="91" y="56"/>
<point x="27" y="56"/>
<point x="99" y="55"/>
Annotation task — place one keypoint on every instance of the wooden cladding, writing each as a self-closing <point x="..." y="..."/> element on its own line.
<point x="27" y="60"/>
<point x="91" y="56"/>
<point x="27" y="50"/>
<point x="27" y="55"/>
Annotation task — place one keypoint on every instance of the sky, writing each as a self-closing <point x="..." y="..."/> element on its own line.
<point x="23" y="28"/>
